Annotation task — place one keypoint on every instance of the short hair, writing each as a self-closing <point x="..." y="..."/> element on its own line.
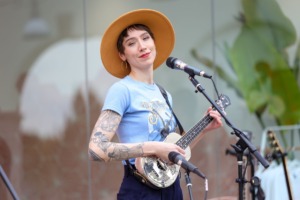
<point x="124" y="34"/>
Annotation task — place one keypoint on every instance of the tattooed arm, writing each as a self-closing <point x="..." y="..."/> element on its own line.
<point x="100" y="146"/>
<point x="102" y="149"/>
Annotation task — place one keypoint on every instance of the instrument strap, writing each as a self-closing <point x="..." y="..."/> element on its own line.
<point x="134" y="172"/>
<point x="164" y="93"/>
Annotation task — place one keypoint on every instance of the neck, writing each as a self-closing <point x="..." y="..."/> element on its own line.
<point x="145" y="77"/>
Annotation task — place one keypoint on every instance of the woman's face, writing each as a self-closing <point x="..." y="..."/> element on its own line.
<point x="139" y="49"/>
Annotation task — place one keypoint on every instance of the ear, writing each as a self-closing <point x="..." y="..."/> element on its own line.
<point x="122" y="56"/>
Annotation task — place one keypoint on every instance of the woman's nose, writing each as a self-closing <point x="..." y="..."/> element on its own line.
<point x="142" y="46"/>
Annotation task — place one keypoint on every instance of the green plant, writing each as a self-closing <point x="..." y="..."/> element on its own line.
<point x="264" y="77"/>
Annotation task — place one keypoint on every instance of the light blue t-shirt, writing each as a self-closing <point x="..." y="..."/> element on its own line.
<point x="144" y="111"/>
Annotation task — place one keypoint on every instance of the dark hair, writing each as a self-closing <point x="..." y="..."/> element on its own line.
<point x="124" y="34"/>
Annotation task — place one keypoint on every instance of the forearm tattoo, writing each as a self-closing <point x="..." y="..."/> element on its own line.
<point x="94" y="155"/>
<point x="101" y="141"/>
<point x="109" y="122"/>
<point x="121" y="152"/>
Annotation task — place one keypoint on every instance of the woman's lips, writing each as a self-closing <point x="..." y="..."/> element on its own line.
<point x="145" y="55"/>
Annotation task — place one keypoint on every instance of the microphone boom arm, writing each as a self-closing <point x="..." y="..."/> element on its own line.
<point x="243" y="141"/>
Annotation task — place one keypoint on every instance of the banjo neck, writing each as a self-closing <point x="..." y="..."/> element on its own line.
<point x="190" y="135"/>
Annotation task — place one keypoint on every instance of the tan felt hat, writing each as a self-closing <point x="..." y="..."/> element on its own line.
<point x="158" y="23"/>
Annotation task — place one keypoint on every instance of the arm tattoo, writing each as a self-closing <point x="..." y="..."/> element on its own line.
<point x="94" y="156"/>
<point x="101" y="141"/>
<point x="109" y="121"/>
<point x="118" y="151"/>
<point x="121" y="152"/>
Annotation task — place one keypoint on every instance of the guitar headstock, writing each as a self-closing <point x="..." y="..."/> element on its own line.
<point x="223" y="102"/>
<point x="274" y="143"/>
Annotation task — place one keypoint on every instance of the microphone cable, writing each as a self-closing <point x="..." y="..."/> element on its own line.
<point x="206" y="188"/>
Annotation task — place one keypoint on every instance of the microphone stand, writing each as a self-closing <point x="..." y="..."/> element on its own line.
<point x="8" y="184"/>
<point x="189" y="183"/>
<point x="243" y="142"/>
<point x="240" y="180"/>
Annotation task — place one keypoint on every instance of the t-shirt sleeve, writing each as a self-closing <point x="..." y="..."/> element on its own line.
<point x="117" y="98"/>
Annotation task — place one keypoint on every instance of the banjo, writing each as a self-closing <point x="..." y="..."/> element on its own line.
<point x="162" y="174"/>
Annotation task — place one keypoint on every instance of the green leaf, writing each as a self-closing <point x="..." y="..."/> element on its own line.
<point x="285" y="86"/>
<point x="259" y="60"/>
<point x="257" y="100"/>
<point x="276" y="106"/>
<point x="267" y="18"/>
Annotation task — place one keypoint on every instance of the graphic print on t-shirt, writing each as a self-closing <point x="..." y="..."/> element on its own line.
<point x="160" y="120"/>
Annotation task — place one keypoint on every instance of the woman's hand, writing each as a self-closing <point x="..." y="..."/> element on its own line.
<point x="216" y="122"/>
<point x="163" y="149"/>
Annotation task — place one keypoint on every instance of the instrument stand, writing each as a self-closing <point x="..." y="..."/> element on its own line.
<point x="8" y="184"/>
<point x="255" y="188"/>
<point x="189" y="183"/>
<point x="256" y="191"/>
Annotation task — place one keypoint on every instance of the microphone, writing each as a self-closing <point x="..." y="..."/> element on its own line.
<point x="178" y="159"/>
<point x="175" y="63"/>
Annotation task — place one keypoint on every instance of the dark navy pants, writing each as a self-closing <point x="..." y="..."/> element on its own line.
<point x="132" y="189"/>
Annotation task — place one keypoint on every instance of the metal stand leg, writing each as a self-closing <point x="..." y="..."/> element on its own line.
<point x="8" y="184"/>
<point x="189" y="184"/>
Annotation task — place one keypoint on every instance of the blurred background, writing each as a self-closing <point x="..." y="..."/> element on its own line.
<point x="52" y="85"/>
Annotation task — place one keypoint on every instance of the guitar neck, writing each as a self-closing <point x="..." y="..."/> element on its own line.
<point x="190" y="135"/>
<point x="280" y="153"/>
<point x="287" y="179"/>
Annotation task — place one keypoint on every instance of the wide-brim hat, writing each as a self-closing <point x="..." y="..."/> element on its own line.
<point x="158" y="23"/>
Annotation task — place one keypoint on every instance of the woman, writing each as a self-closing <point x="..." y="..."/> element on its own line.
<point x="132" y="47"/>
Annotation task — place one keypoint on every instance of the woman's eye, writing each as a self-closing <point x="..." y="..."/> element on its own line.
<point x="146" y="37"/>
<point x="130" y="43"/>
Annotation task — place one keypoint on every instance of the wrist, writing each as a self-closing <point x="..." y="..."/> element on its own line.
<point x="150" y="148"/>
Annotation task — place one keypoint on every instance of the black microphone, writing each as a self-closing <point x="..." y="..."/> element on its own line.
<point x="175" y="63"/>
<point x="178" y="159"/>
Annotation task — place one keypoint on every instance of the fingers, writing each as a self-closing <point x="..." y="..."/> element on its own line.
<point x="181" y="151"/>
<point x="166" y="148"/>
<point x="216" y="115"/>
<point x="209" y="110"/>
<point x="177" y="149"/>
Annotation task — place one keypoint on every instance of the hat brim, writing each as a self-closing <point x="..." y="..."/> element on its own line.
<point x="158" y="23"/>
